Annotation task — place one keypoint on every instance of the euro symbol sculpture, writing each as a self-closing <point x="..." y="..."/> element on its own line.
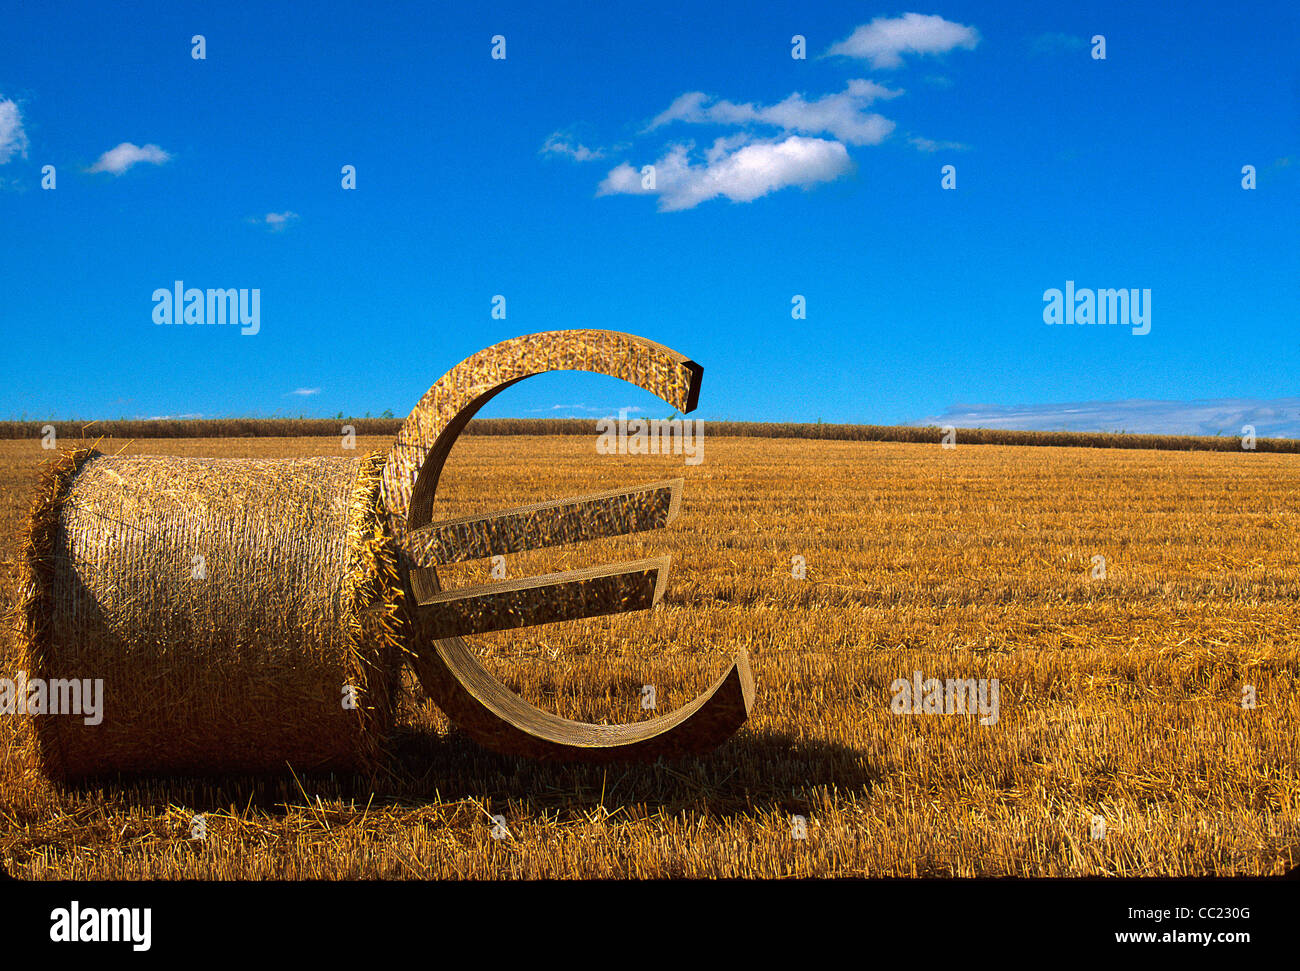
<point x="241" y="614"/>
<point x="448" y="671"/>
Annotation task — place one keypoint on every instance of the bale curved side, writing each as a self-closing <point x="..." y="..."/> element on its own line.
<point x="231" y="610"/>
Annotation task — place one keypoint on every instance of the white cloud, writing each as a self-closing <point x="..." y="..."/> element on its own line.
<point x="622" y="179"/>
<point x="278" y="220"/>
<point x="930" y="145"/>
<point x="560" y="144"/>
<point x="722" y="147"/>
<point x="275" y="221"/>
<point x="812" y="134"/>
<point x="840" y="115"/>
<point x="13" y="140"/>
<point x="1272" y="418"/>
<point x="740" y="172"/>
<point x="118" y="160"/>
<point x="305" y="392"/>
<point x="885" y="39"/>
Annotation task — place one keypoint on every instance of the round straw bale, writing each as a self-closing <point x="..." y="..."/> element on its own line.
<point x="240" y="615"/>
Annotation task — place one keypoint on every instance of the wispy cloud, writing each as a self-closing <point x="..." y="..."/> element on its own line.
<point x="740" y="173"/>
<point x="1055" y="42"/>
<point x="589" y="409"/>
<point x="303" y="392"/>
<point x="275" y="221"/>
<point x="840" y="115"/>
<point x="886" y="39"/>
<point x="13" y="139"/>
<point x="930" y="145"/>
<point x="118" y="160"/>
<point x="1271" y="418"/>
<point x="562" y="145"/>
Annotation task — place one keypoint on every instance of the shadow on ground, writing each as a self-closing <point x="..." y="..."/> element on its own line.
<point x="756" y="771"/>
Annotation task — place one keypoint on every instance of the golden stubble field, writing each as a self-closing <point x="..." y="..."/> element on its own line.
<point x="1120" y="699"/>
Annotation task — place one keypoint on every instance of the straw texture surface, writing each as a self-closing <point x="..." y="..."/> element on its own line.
<point x="233" y="608"/>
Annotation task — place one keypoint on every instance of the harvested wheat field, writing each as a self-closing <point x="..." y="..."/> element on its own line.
<point x="1124" y="740"/>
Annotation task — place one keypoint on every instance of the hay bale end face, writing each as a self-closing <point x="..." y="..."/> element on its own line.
<point x="240" y="615"/>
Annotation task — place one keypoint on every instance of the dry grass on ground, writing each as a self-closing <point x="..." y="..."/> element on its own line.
<point x="1119" y="698"/>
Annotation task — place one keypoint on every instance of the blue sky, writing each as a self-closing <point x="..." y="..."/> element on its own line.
<point x="775" y="177"/>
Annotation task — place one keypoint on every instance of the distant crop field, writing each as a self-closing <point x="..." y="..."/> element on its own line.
<point x="1136" y="608"/>
<point x="124" y="428"/>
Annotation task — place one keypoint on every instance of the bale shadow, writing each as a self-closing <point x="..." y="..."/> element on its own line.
<point x="754" y="772"/>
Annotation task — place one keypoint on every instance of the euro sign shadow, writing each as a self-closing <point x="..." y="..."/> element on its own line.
<point x="757" y="769"/>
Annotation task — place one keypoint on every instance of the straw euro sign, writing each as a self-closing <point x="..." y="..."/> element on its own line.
<point x="451" y="675"/>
